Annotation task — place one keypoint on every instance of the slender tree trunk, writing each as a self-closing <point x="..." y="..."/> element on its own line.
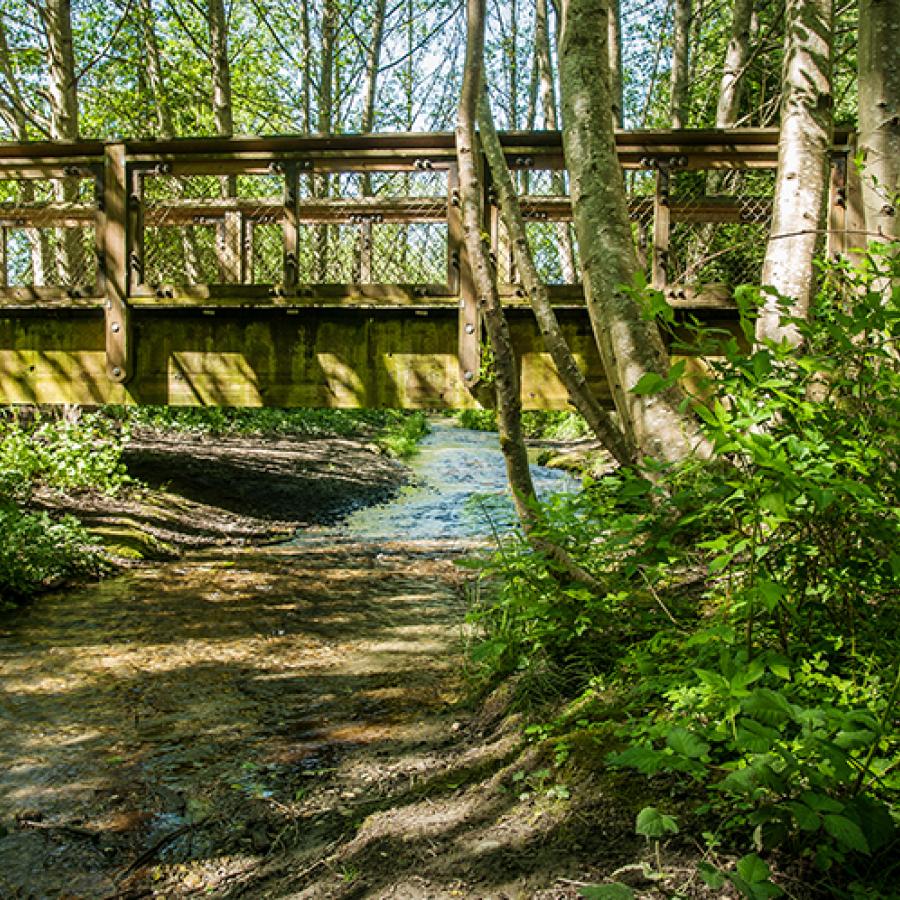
<point x="62" y="92"/>
<point x="223" y="114"/>
<point x="165" y="127"/>
<point x="551" y="122"/>
<point x="629" y="345"/>
<point x="680" y="63"/>
<point x="615" y="64"/>
<point x="306" y="51"/>
<point x="324" y="125"/>
<point x="509" y="410"/>
<point x="803" y="148"/>
<point x="599" y="420"/>
<point x="373" y="61"/>
<point x="513" y="64"/>
<point x="879" y="115"/>
<point x="38" y="246"/>
<point x="736" y="57"/>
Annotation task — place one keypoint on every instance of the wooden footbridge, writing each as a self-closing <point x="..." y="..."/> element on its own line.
<point x="331" y="271"/>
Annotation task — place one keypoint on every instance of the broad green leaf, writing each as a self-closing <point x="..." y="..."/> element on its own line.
<point x="651" y="823"/>
<point x="753" y="869"/>
<point x="807" y="819"/>
<point x="846" y="832"/>
<point x="649" y="383"/>
<point x="683" y="742"/>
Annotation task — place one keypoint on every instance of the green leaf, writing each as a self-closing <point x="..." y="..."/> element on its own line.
<point x="649" y="383"/>
<point x="753" y="869"/>
<point x="846" y="832"/>
<point x="651" y="823"/>
<point x="807" y="819"/>
<point x="711" y="876"/>
<point x="614" y="891"/>
<point x="686" y="744"/>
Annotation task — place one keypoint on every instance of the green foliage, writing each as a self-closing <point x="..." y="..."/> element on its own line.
<point x="748" y="618"/>
<point x="401" y="437"/>
<point x="548" y="425"/>
<point x="265" y="421"/>
<point x="36" y="551"/>
<point x="67" y="456"/>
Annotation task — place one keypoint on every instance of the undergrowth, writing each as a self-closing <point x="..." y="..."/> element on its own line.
<point x="36" y="550"/>
<point x="550" y="425"/>
<point x="236" y="421"/>
<point x="743" y="655"/>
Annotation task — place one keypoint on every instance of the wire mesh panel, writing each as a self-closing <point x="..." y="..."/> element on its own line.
<point x="209" y="229"/>
<point x="640" y="185"/>
<point x="720" y="226"/>
<point x="48" y="235"/>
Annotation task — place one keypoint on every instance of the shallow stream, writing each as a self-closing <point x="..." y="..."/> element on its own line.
<point x="172" y="727"/>
<point x="459" y="492"/>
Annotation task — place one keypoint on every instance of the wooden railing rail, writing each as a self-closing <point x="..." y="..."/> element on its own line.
<point x="365" y="220"/>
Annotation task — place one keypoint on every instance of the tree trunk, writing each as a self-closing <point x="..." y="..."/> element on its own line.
<point x="680" y="63"/>
<point x="509" y="410"/>
<point x="736" y="57"/>
<point x="599" y="420"/>
<point x="879" y="115"/>
<point x="39" y="249"/>
<point x="363" y="262"/>
<point x="615" y="64"/>
<point x="321" y="185"/>
<point x="223" y="114"/>
<point x="630" y="346"/>
<point x="803" y="148"/>
<point x="63" y="95"/>
<point x="551" y="122"/>
<point x="165" y="128"/>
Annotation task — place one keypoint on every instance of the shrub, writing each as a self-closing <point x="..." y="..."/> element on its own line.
<point x="749" y="615"/>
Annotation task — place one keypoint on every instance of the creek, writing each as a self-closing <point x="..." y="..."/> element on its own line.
<point x="175" y="724"/>
<point x="459" y="493"/>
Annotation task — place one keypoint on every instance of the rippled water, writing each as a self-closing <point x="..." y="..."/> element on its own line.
<point x="459" y="492"/>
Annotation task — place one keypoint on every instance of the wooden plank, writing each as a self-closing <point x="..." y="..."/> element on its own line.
<point x="4" y="272"/>
<point x="302" y="295"/>
<point x="661" y="230"/>
<point x="114" y="223"/>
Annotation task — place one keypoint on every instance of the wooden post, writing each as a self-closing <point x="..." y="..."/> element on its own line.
<point x="364" y="276"/>
<point x="112" y="234"/>
<point x="291" y="228"/>
<point x="662" y="223"/>
<point x="462" y="283"/>
<point x="246" y="250"/>
<point x="229" y="233"/>
<point x="4" y="276"/>
<point x="836" y="238"/>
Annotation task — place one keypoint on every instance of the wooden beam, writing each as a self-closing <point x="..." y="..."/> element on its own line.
<point x="113" y="237"/>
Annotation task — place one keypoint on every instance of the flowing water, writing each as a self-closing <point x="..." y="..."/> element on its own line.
<point x="178" y="721"/>
<point x="459" y="492"/>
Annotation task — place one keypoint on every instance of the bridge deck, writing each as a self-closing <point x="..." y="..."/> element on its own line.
<point x="331" y="271"/>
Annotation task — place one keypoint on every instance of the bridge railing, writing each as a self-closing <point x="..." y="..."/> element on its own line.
<point x="364" y="220"/>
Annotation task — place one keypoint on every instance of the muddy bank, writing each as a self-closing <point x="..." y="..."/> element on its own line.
<point x="231" y="491"/>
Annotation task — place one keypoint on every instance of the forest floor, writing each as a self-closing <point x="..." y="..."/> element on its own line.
<point x="280" y="721"/>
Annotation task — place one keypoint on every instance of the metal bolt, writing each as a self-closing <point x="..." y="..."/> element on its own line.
<point x="470" y="328"/>
<point x="116" y="372"/>
<point x="469" y="376"/>
<point x="115" y="328"/>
